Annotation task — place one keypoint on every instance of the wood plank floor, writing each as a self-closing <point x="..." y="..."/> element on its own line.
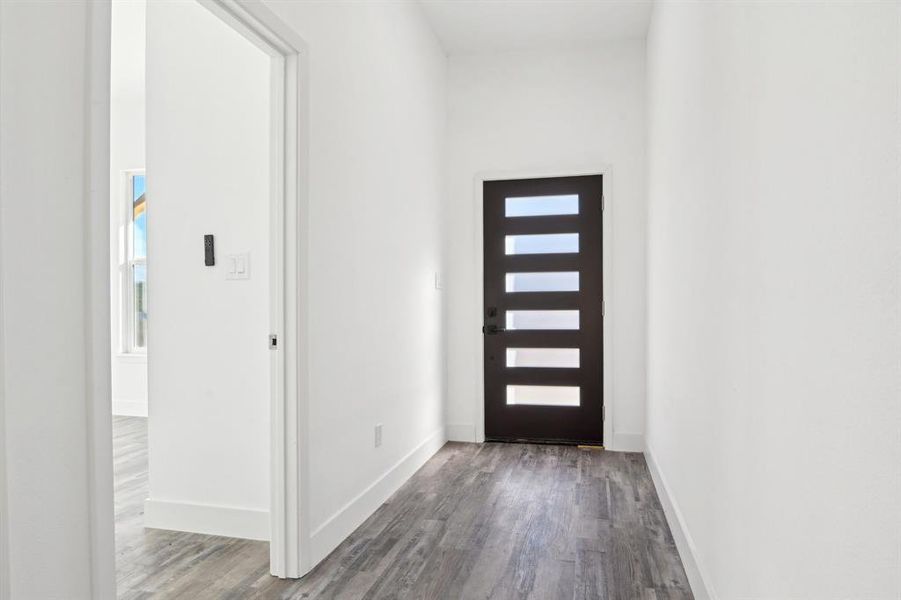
<point x="489" y="521"/>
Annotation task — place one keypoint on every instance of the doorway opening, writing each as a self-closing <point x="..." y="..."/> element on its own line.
<point x="204" y="212"/>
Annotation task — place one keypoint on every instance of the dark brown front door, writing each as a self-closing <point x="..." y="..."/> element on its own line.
<point x="543" y="323"/>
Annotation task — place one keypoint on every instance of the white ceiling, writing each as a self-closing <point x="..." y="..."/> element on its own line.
<point x="477" y="26"/>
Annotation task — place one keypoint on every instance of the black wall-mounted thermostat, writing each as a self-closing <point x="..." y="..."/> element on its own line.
<point x="209" y="255"/>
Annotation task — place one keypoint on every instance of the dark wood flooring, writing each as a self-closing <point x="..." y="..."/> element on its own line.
<point x="478" y="521"/>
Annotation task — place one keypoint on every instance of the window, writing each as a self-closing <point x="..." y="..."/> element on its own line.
<point x="134" y="267"/>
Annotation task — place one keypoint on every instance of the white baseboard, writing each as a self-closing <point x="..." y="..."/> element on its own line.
<point x="129" y="408"/>
<point x="461" y="432"/>
<point x="627" y="442"/>
<point x="698" y="577"/>
<point x="336" y="528"/>
<point x="208" y="519"/>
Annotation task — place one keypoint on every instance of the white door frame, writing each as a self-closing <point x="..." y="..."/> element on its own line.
<point x="289" y="523"/>
<point x="477" y="339"/>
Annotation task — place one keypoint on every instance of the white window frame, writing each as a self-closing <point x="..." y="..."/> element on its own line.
<point x="126" y="265"/>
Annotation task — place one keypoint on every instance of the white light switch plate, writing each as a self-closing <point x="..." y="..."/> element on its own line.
<point x="237" y="266"/>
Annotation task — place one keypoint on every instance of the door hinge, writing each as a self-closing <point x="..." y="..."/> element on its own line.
<point x="603" y="413"/>
<point x="602" y="202"/>
<point x="273" y="342"/>
<point x="603" y="308"/>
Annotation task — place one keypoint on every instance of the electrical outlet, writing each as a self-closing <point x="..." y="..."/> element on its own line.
<point x="378" y="435"/>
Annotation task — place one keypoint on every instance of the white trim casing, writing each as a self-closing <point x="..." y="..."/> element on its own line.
<point x="477" y="343"/>
<point x="98" y="365"/>
<point x="698" y="577"/>
<point x="4" y="526"/>
<point x="4" y="541"/>
<point x="289" y="546"/>
<point x="289" y="534"/>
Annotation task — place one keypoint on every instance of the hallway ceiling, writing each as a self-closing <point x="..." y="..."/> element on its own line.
<point x="479" y="26"/>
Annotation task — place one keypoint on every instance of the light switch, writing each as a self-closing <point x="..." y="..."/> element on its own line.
<point x="238" y="266"/>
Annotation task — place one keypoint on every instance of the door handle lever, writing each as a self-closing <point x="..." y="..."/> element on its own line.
<point x="492" y="329"/>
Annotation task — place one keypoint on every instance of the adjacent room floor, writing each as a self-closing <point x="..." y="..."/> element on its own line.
<point x="477" y="521"/>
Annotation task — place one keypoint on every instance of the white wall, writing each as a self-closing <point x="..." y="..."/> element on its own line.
<point x="208" y="128"/>
<point x="546" y="112"/>
<point x="127" y="141"/>
<point x="43" y="200"/>
<point x="377" y="102"/>
<point x="774" y="296"/>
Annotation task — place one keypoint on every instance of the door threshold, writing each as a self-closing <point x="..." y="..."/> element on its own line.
<point x="581" y="444"/>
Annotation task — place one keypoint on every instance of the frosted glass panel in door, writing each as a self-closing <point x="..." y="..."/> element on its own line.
<point x="554" y="358"/>
<point x="539" y="206"/>
<point x="542" y="243"/>
<point x="542" y="319"/>
<point x="543" y="395"/>
<point x="547" y="281"/>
